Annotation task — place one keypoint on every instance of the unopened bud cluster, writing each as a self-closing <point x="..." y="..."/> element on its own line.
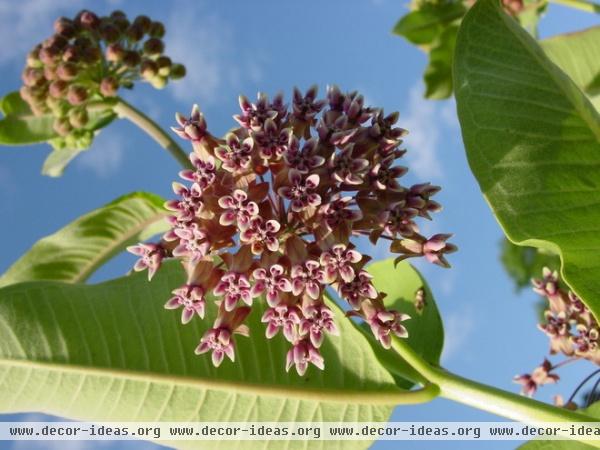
<point x="272" y="212"/>
<point x="570" y="326"/>
<point x="87" y="60"/>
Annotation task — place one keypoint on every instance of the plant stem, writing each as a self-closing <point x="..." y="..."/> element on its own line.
<point x="127" y="111"/>
<point x="580" y="4"/>
<point x="486" y="398"/>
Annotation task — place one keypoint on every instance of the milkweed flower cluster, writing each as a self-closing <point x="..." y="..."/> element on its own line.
<point x="272" y="212"/>
<point x="570" y="327"/>
<point x="86" y="60"/>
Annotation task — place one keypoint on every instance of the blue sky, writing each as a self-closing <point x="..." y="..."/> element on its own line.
<point x="243" y="47"/>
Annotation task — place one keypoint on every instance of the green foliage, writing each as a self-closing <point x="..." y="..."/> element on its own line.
<point x="523" y="263"/>
<point x="74" y="252"/>
<point x="532" y="141"/>
<point x="21" y="127"/>
<point x="111" y="352"/>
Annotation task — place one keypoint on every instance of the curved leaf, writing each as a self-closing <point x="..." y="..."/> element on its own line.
<point x="425" y="24"/>
<point x="578" y="54"/>
<point x="523" y="263"/>
<point x="111" y="352"/>
<point x="20" y="126"/>
<point x="74" y="252"/>
<point x="533" y="142"/>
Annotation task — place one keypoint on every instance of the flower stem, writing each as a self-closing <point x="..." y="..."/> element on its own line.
<point x="583" y="5"/>
<point x="127" y="111"/>
<point x="486" y="398"/>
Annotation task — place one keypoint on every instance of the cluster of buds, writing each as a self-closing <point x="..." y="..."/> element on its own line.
<point x="85" y="62"/>
<point x="570" y="327"/>
<point x="272" y="211"/>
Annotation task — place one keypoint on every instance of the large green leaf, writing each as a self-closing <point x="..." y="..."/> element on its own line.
<point x="578" y="54"/>
<point x="438" y="73"/>
<point x="425" y="329"/>
<point x="19" y="126"/>
<point x="533" y="142"/>
<point x="523" y="263"/>
<point x="74" y="252"/>
<point x="111" y="352"/>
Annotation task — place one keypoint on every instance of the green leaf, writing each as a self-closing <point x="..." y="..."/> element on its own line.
<point x="438" y="73"/>
<point x="425" y="329"/>
<point x="578" y="54"/>
<point x="74" y="252"/>
<point x="111" y="352"/>
<point x="524" y="263"/>
<point x="425" y="25"/>
<point x="533" y="143"/>
<point x="19" y="126"/>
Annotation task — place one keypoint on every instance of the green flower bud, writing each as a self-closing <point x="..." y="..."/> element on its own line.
<point x="50" y="73"/>
<point x="110" y="33"/>
<point x="115" y="52"/>
<point x="121" y="23"/>
<point x="59" y="107"/>
<point x="143" y="22"/>
<point x="91" y="55"/>
<point x="33" y="57"/>
<point x="88" y="19"/>
<point x="153" y="46"/>
<point x="77" y="94"/>
<point x="58" y="88"/>
<point x="62" y="126"/>
<point x="71" y="54"/>
<point x="158" y="82"/>
<point x="164" y="65"/>
<point x="148" y="69"/>
<point x="78" y="117"/>
<point x="33" y="77"/>
<point x="118" y="14"/>
<point x="65" y="27"/>
<point x="134" y="33"/>
<point x="131" y="58"/>
<point x="66" y="71"/>
<point x="109" y="86"/>
<point x="156" y="30"/>
<point x="177" y="71"/>
<point x="48" y="55"/>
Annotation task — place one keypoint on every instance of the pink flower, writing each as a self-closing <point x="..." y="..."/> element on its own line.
<point x="271" y="281"/>
<point x="151" y="256"/>
<point x="191" y="298"/>
<point x="303" y="160"/>
<point x="338" y="212"/>
<point x="346" y="168"/>
<point x="254" y="116"/>
<point x="317" y="319"/>
<point x="192" y="129"/>
<point x="540" y="376"/>
<point x="337" y="262"/>
<point x="385" y="323"/>
<point x="307" y="278"/>
<point x="384" y="176"/>
<point x="219" y="341"/>
<point x="271" y="141"/>
<point x="189" y="204"/>
<point x="306" y="107"/>
<point x="282" y="316"/>
<point x="193" y="242"/>
<point x="236" y="155"/>
<point x="358" y="289"/>
<point x="205" y="173"/>
<point x="238" y="209"/>
<point x="261" y="235"/>
<point x="301" y="193"/>
<point x="301" y="355"/>
<point x="234" y="287"/>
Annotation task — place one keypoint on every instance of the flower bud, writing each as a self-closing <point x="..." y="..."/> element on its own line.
<point x="134" y="33"/>
<point x="156" y="30"/>
<point x="149" y="69"/>
<point x="58" y="88"/>
<point x="154" y="46"/>
<point x="164" y="65"/>
<point x="33" y="58"/>
<point x="118" y="14"/>
<point x="71" y="54"/>
<point x="48" y="55"/>
<point x="62" y="126"/>
<point x="77" y="94"/>
<point x="56" y="42"/>
<point x="26" y="94"/>
<point x="109" y="86"/>
<point x="115" y="52"/>
<point x="58" y="107"/>
<point x="65" y="27"/>
<point x="66" y="71"/>
<point x="158" y="82"/>
<point x="78" y="117"/>
<point x="177" y="71"/>
<point x="88" y="19"/>
<point x="131" y="58"/>
<point x="121" y="23"/>
<point x="82" y="43"/>
<point x="143" y="22"/>
<point x="50" y="73"/>
<point x="110" y="33"/>
<point x="32" y="77"/>
<point x="91" y="55"/>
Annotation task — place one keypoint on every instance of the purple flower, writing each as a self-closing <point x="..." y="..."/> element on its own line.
<point x="418" y="198"/>
<point x="219" y="341"/>
<point x="271" y="141"/>
<point x="188" y="205"/>
<point x="236" y="155"/>
<point x="354" y="108"/>
<point x="385" y="323"/>
<point x="193" y="243"/>
<point x="358" y="289"/>
<point x="306" y="107"/>
<point x="384" y="176"/>
<point x="205" y="173"/>
<point x="307" y="278"/>
<point x="303" y="160"/>
<point x="301" y="193"/>
<point x="336" y="131"/>
<point x="254" y="116"/>
<point x="540" y="376"/>
<point x="261" y="235"/>
<point x="191" y="298"/>
<point x="346" y="168"/>
<point x="399" y="220"/>
<point x="301" y="355"/>
<point x="271" y="281"/>
<point x="382" y="129"/>
<point x="282" y="316"/>
<point x="192" y="129"/>
<point x="317" y="319"/>
<point x="433" y="248"/>
<point x="234" y="287"/>
<point x="151" y="256"/>
<point x="338" y="212"/>
<point x="238" y="209"/>
<point x="337" y="262"/>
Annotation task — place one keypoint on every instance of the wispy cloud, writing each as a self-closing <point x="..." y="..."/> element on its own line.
<point x="207" y="45"/>
<point x="458" y="326"/>
<point x="105" y="156"/>
<point x="426" y="120"/>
